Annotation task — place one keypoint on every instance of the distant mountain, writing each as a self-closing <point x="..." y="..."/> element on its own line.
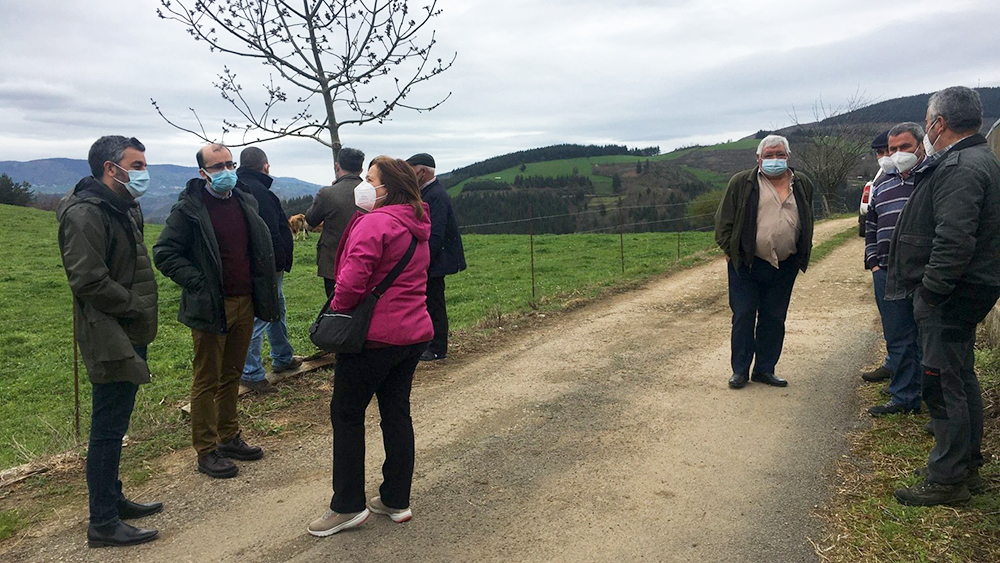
<point x="58" y="175"/>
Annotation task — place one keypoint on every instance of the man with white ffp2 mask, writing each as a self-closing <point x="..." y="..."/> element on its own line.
<point x="898" y="325"/>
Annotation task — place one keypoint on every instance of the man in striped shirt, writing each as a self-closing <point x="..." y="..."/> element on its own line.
<point x="898" y="326"/>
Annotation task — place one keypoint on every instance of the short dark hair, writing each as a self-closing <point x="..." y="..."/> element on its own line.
<point x="351" y="160"/>
<point x="960" y="107"/>
<point x="215" y="148"/>
<point x="253" y="158"/>
<point x="110" y="148"/>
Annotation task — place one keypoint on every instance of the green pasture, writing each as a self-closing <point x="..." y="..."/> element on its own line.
<point x="602" y="184"/>
<point x="36" y="351"/>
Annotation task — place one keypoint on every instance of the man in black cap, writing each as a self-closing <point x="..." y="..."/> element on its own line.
<point x="447" y="255"/>
<point x="880" y="144"/>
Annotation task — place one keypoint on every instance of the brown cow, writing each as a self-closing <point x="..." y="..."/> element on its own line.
<point x="297" y="223"/>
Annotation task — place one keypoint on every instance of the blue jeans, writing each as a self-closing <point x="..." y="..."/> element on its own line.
<point x="901" y="342"/>
<point x="112" y="409"/>
<point x="277" y="336"/>
<point x="759" y="298"/>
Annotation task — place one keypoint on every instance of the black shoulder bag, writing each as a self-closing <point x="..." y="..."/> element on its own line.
<point x="346" y="331"/>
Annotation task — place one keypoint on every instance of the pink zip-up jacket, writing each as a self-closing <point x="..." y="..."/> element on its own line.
<point x="374" y="244"/>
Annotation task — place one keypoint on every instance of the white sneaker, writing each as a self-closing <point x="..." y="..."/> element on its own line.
<point x="397" y="514"/>
<point x="332" y="522"/>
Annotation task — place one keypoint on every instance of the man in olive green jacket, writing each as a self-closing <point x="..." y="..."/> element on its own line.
<point x="333" y="207"/>
<point x="114" y="309"/>
<point x="764" y="224"/>
<point x="218" y="249"/>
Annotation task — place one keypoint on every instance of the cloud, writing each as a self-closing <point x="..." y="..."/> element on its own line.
<point x="528" y="74"/>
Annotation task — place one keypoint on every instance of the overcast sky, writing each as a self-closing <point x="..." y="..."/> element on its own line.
<point x="529" y="73"/>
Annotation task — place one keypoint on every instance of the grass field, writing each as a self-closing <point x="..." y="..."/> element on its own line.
<point x="602" y="184"/>
<point x="36" y="353"/>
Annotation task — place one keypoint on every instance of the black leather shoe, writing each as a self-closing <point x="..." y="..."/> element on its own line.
<point x="128" y="510"/>
<point x="118" y="534"/>
<point x="217" y="467"/>
<point x="429" y="356"/>
<point x="892" y="408"/>
<point x="236" y="448"/>
<point x="880" y="373"/>
<point x="769" y="379"/>
<point x="738" y="380"/>
<point x="929" y="428"/>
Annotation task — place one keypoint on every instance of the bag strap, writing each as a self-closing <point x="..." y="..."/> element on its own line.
<point x="396" y="270"/>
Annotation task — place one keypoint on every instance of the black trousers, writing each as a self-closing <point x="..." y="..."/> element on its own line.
<point x="439" y="315"/>
<point x="951" y="389"/>
<point x="759" y="298"/>
<point x="112" y="409"/>
<point x="386" y="373"/>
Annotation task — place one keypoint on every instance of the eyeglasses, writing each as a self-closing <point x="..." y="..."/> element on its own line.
<point x="218" y="167"/>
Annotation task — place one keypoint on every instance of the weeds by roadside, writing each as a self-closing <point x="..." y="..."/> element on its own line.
<point x="868" y="525"/>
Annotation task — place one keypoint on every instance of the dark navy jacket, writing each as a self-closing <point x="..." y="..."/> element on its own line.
<point x="258" y="185"/>
<point x="447" y="254"/>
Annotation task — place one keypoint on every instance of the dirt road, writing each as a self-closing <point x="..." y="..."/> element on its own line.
<point x="608" y="434"/>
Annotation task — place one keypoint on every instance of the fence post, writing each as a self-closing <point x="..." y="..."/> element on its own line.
<point x="531" y="239"/>
<point x="621" y="237"/>
<point x="678" y="246"/>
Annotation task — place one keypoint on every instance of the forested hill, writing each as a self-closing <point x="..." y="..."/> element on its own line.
<point x="543" y="154"/>
<point x="914" y="108"/>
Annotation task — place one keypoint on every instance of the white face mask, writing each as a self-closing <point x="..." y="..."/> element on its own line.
<point x="887" y="165"/>
<point x="904" y="161"/>
<point x="365" y="196"/>
<point x="928" y="144"/>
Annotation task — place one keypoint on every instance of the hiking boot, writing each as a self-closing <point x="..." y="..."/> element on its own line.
<point x="236" y="448"/>
<point x="262" y="387"/>
<point x="295" y="364"/>
<point x="118" y="534"/>
<point x="880" y="373"/>
<point x="892" y="408"/>
<point x="397" y="514"/>
<point x="929" y="427"/>
<point x="973" y="481"/>
<point x="332" y="522"/>
<point x="929" y="493"/>
<point x="217" y="467"/>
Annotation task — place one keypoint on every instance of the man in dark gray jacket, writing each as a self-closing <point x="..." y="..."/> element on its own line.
<point x="945" y="252"/>
<point x="334" y="207"/>
<point x="218" y="249"/>
<point x="114" y="309"/>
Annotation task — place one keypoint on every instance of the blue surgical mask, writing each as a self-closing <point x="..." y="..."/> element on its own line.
<point x="774" y="166"/>
<point x="138" y="181"/>
<point x="223" y="181"/>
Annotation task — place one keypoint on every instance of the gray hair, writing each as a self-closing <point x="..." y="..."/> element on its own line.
<point x="351" y="160"/>
<point x="253" y="158"/>
<point x="773" y="141"/>
<point x="960" y="107"/>
<point x="908" y="127"/>
<point x="110" y="148"/>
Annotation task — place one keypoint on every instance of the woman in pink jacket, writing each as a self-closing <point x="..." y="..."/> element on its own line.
<point x="399" y="331"/>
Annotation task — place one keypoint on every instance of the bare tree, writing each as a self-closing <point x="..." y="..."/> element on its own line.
<point x="329" y="51"/>
<point x="831" y="147"/>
